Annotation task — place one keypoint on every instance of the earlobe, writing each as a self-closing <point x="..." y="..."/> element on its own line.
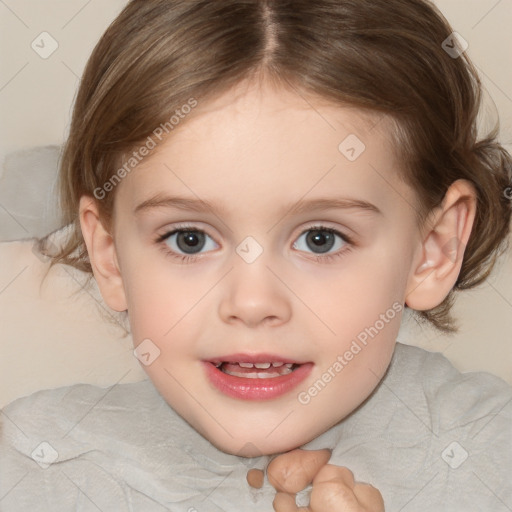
<point x="102" y="255"/>
<point x="437" y="266"/>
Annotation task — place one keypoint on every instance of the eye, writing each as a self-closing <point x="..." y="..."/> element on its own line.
<point x="321" y="240"/>
<point x="188" y="241"/>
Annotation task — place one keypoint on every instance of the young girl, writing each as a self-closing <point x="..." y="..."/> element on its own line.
<point x="263" y="187"/>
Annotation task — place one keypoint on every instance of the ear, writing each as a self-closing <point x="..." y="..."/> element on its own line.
<point x="439" y="258"/>
<point x="102" y="255"/>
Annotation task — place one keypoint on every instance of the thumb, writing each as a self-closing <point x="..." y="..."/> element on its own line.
<point x="293" y="471"/>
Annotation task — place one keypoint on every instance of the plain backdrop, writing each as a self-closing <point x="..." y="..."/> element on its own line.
<point x="36" y="96"/>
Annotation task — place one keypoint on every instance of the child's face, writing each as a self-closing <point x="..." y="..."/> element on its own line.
<point x="307" y="298"/>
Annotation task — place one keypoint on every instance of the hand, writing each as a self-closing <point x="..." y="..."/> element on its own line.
<point x="334" y="487"/>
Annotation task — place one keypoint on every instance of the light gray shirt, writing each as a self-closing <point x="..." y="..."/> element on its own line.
<point x="429" y="438"/>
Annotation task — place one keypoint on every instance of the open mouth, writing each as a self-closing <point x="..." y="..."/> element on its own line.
<point x="256" y="377"/>
<point x="248" y="370"/>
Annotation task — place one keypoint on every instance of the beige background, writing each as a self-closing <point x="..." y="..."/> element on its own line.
<point x="36" y="95"/>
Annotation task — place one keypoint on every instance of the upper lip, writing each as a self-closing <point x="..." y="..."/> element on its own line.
<point x="253" y="358"/>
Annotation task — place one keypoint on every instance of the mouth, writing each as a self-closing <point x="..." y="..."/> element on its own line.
<point x="247" y="370"/>
<point x="259" y="377"/>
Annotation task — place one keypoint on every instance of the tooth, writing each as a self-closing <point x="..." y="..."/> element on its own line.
<point x="246" y="365"/>
<point x="289" y="365"/>
<point x="218" y="364"/>
<point x="259" y="375"/>
<point x="277" y="365"/>
<point x="262" y="366"/>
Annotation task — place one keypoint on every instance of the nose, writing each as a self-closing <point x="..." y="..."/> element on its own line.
<point x="254" y="296"/>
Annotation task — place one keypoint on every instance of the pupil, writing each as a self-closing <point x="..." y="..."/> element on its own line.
<point x="318" y="239"/>
<point x="189" y="241"/>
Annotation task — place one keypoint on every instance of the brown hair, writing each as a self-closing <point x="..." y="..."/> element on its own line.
<point x="384" y="56"/>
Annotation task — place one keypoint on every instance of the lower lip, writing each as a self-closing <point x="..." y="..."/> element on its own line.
<point x="256" y="389"/>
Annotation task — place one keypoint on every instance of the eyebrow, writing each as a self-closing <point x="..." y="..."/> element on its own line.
<point x="204" y="206"/>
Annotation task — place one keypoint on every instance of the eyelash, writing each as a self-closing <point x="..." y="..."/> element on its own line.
<point x="187" y="258"/>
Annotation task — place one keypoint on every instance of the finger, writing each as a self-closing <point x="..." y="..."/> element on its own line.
<point x="255" y="478"/>
<point x="334" y="489"/>
<point x="331" y="472"/>
<point x="293" y="471"/>
<point x="369" y="497"/>
<point x="284" y="502"/>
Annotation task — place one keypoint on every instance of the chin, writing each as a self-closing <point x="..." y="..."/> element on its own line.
<point x="255" y="446"/>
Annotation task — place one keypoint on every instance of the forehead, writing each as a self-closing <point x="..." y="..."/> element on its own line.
<point x="282" y="144"/>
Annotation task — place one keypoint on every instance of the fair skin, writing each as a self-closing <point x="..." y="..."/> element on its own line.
<point x="333" y="488"/>
<point x="252" y="153"/>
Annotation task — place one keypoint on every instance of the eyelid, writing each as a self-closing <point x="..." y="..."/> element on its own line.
<point x="193" y="226"/>
<point x="185" y="226"/>
<point x="161" y="242"/>
<point x="346" y="241"/>
<point x="324" y="225"/>
<point x="318" y="225"/>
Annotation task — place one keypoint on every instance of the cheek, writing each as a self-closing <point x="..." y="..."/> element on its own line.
<point x="164" y="298"/>
<point x="361" y="303"/>
<point x="352" y="295"/>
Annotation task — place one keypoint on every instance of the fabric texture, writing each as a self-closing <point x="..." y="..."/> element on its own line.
<point x="429" y="438"/>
